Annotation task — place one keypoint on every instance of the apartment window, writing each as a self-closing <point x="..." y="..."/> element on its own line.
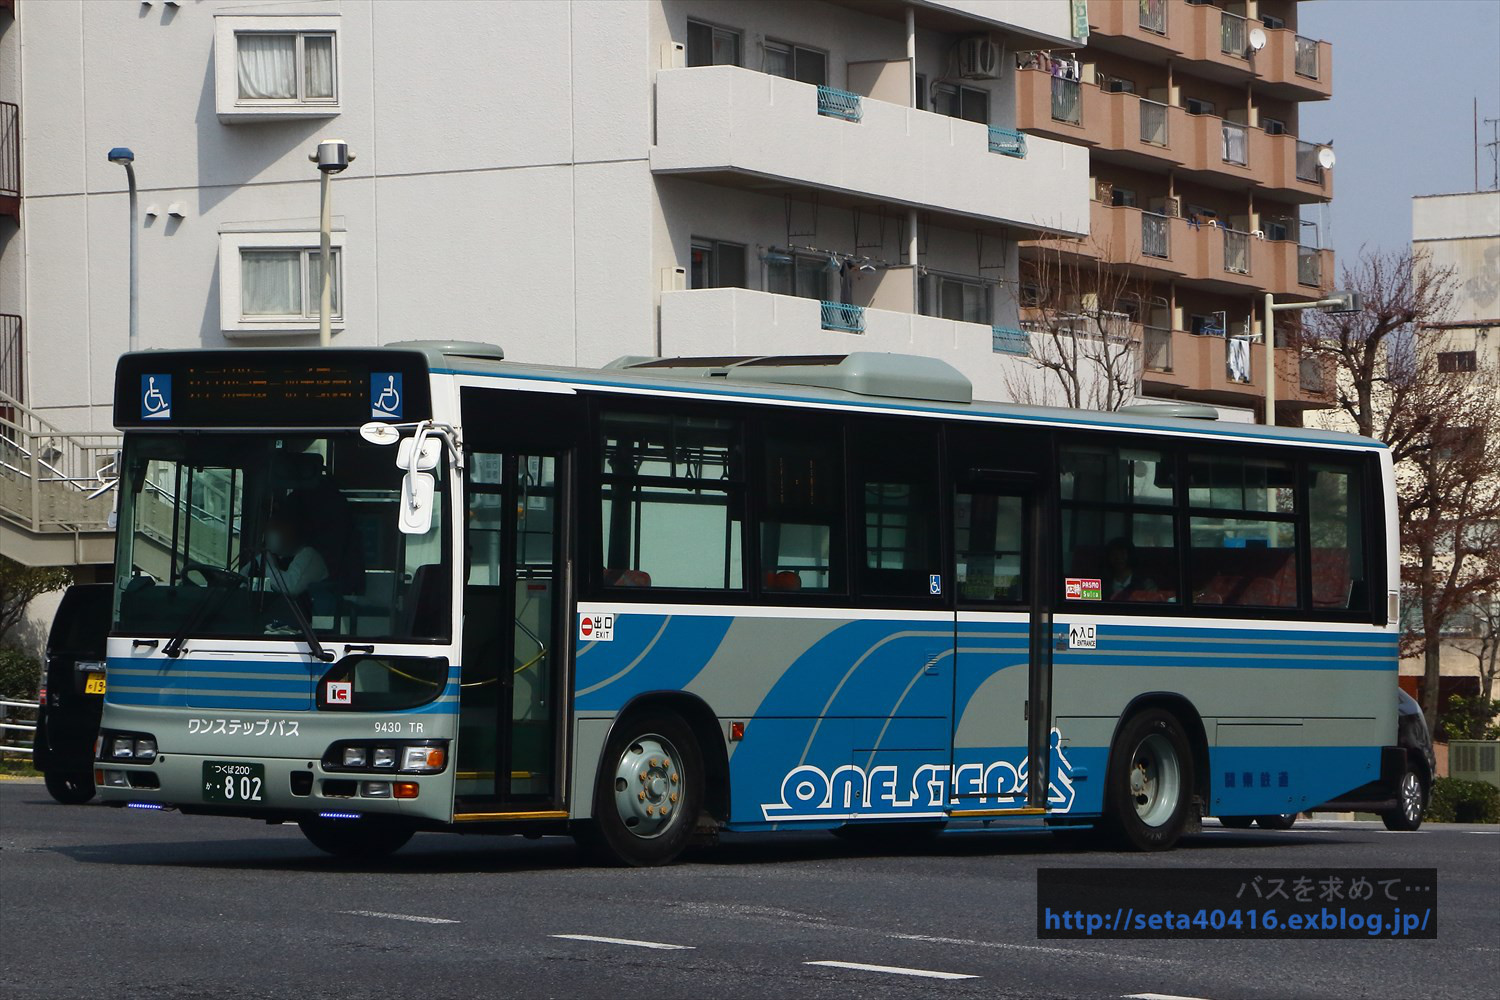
<point x="797" y="63"/>
<point x="1210" y="325"/>
<point x="1273" y="126"/>
<point x="961" y="299"/>
<point x="801" y="274"/>
<point x="710" y="45"/>
<point x="1116" y="84"/>
<point x="271" y="283"/>
<point x="1272" y="21"/>
<point x="968" y="103"/>
<point x="717" y="264"/>
<point x="1122" y="196"/>
<point x="1457" y="361"/>
<point x="1198" y="106"/>
<point x="270" y="67"/>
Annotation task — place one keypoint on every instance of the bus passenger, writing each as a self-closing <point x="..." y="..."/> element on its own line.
<point x="1121" y="583"/>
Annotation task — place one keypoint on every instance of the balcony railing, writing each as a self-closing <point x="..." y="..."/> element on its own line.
<point x="12" y="383"/>
<point x="1008" y="340"/>
<point x="1007" y="141"/>
<point x="1154" y="235"/>
<point x="1236" y="251"/>
<point x="1231" y="34"/>
<point x="841" y="104"/>
<point x="1310" y="375"/>
<point x="1154" y="16"/>
<point x="843" y="317"/>
<point x="1236" y="143"/>
<point x="1156" y="353"/>
<point x="1307" y="57"/>
<point x="1153" y="122"/>
<point x="1309" y="266"/>
<point x="10" y="150"/>
<point x="1307" y="163"/>
<point x="1067" y="101"/>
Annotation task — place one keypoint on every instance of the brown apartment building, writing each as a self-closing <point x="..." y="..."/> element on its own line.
<point x="1191" y="112"/>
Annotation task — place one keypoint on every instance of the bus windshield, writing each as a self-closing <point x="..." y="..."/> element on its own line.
<point x="240" y="534"/>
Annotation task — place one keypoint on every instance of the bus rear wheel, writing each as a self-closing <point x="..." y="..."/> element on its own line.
<point x="1148" y="789"/>
<point x="360" y="839"/>
<point x="648" y="793"/>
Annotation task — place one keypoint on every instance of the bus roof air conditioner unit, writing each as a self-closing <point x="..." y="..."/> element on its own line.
<point x="979" y="58"/>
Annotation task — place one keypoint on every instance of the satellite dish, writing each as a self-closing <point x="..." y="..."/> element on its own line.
<point x="1257" y="39"/>
<point x="376" y="432"/>
<point x="1326" y="159"/>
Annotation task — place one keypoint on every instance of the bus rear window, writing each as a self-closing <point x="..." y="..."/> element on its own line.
<point x="1336" y="522"/>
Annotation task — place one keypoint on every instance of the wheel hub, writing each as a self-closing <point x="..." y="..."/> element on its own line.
<point x="648" y="786"/>
<point x="1155" y="775"/>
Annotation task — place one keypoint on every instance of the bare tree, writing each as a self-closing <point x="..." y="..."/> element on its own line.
<point x="1081" y="328"/>
<point x="1441" y="428"/>
<point x="1486" y="643"/>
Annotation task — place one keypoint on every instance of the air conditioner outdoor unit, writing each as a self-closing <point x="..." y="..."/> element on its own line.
<point x="979" y="58"/>
<point x="1173" y="206"/>
<point x="1274" y="127"/>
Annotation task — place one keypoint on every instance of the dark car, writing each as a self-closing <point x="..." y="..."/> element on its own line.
<point x="1399" y="798"/>
<point x="73" y="693"/>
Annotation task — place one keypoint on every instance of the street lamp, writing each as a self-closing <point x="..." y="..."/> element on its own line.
<point x="332" y="157"/>
<point x="125" y="158"/>
<point x="1337" y="303"/>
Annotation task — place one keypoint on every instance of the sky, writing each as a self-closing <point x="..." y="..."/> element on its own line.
<point x="1401" y="119"/>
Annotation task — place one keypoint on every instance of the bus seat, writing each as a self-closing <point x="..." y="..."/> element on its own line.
<point x="783" y="580"/>
<point x="1330" y="578"/>
<point x="626" y="578"/>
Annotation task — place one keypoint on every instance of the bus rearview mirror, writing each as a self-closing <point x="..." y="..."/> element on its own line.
<point x="376" y="432"/>
<point x="417" y="489"/>
<point x="431" y="449"/>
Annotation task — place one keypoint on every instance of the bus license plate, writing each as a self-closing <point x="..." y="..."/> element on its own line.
<point x="93" y="684"/>
<point x="224" y="781"/>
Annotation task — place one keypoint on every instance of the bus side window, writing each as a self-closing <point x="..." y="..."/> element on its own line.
<point x="802" y="506"/>
<point x="1118" y="524"/>
<point x="896" y="476"/>
<point x="1336" y="525"/>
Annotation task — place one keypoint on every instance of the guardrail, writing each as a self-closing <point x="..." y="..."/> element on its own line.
<point x="843" y="317"/>
<point x="1067" y="101"/>
<point x="1154" y="122"/>
<point x="9" y="724"/>
<point x="1156" y="355"/>
<point x="1008" y="340"/>
<point x="12" y="356"/>
<point x="1309" y="266"/>
<point x="1231" y="34"/>
<point x="1155" y="237"/>
<point x="1307" y="57"/>
<point x="10" y="149"/>
<point x="1236" y="251"/>
<point x="1236" y="144"/>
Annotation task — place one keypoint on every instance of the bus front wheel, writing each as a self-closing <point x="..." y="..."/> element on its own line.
<point x="360" y="838"/>
<point x="648" y="793"/>
<point x="1150" y="782"/>
<point x="71" y="788"/>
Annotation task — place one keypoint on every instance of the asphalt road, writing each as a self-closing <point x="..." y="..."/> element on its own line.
<point x="98" y="902"/>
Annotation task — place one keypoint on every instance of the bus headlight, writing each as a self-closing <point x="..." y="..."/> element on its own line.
<point x="387" y="756"/>
<point x="132" y="748"/>
<point x="424" y="759"/>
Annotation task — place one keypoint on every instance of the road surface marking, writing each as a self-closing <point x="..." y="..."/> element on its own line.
<point x="1157" y="996"/>
<point x="659" y="946"/>
<point x="1485" y="833"/>
<point x="1008" y="946"/>
<point x="399" y="916"/>
<point x="894" y="970"/>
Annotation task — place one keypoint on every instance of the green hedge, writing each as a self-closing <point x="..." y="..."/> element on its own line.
<point x="1455" y="800"/>
<point x="20" y="674"/>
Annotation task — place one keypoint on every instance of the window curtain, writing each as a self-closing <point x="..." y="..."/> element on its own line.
<point x="315" y="280"/>
<point x="270" y="283"/>
<point x="317" y="74"/>
<point x="268" y="66"/>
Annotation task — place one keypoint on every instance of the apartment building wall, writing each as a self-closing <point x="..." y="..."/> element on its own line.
<point x="503" y="186"/>
<point x="1462" y="232"/>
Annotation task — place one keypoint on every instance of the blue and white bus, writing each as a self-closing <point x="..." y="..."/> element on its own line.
<point x="419" y="587"/>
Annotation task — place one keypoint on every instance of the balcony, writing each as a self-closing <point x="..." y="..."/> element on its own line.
<point x="10" y="160"/>
<point x="1210" y="42"/>
<point x="1186" y="366"/>
<point x="741" y="128"/>
<point x="1135" y="132"/>
<point x="1165" y="248"/>
<point x="731" y="322"/>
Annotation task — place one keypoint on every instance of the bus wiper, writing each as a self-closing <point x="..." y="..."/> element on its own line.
<point x="309" y="636"/>
<point x="211" y="602"/>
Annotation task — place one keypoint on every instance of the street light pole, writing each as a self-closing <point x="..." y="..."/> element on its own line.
<point x="1338" y="302"/>
<point x="332" y="157"/>
<point x="126" y="159"/>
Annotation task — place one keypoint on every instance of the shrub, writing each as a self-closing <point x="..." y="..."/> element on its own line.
<point x="1468" y="719"/>
<point x="20" y="674"/>
<point x="1455" y="800"/>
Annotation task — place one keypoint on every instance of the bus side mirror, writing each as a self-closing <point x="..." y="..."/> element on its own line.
<point x="417" y="489"/>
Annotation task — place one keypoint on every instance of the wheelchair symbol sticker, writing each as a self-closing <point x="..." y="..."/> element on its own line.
<point x="156" y="397"/>
<point x="385" y="396"/>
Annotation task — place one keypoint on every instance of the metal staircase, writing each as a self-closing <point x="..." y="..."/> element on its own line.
<point x="55" y="501"/>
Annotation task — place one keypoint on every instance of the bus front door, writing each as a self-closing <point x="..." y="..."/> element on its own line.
<point x="1002" y="677"/>
<point x="508" y="744"/>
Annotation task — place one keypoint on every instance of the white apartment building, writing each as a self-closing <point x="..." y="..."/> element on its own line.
<point x="1462" y="232"/>
<point x="573" y="181"/>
